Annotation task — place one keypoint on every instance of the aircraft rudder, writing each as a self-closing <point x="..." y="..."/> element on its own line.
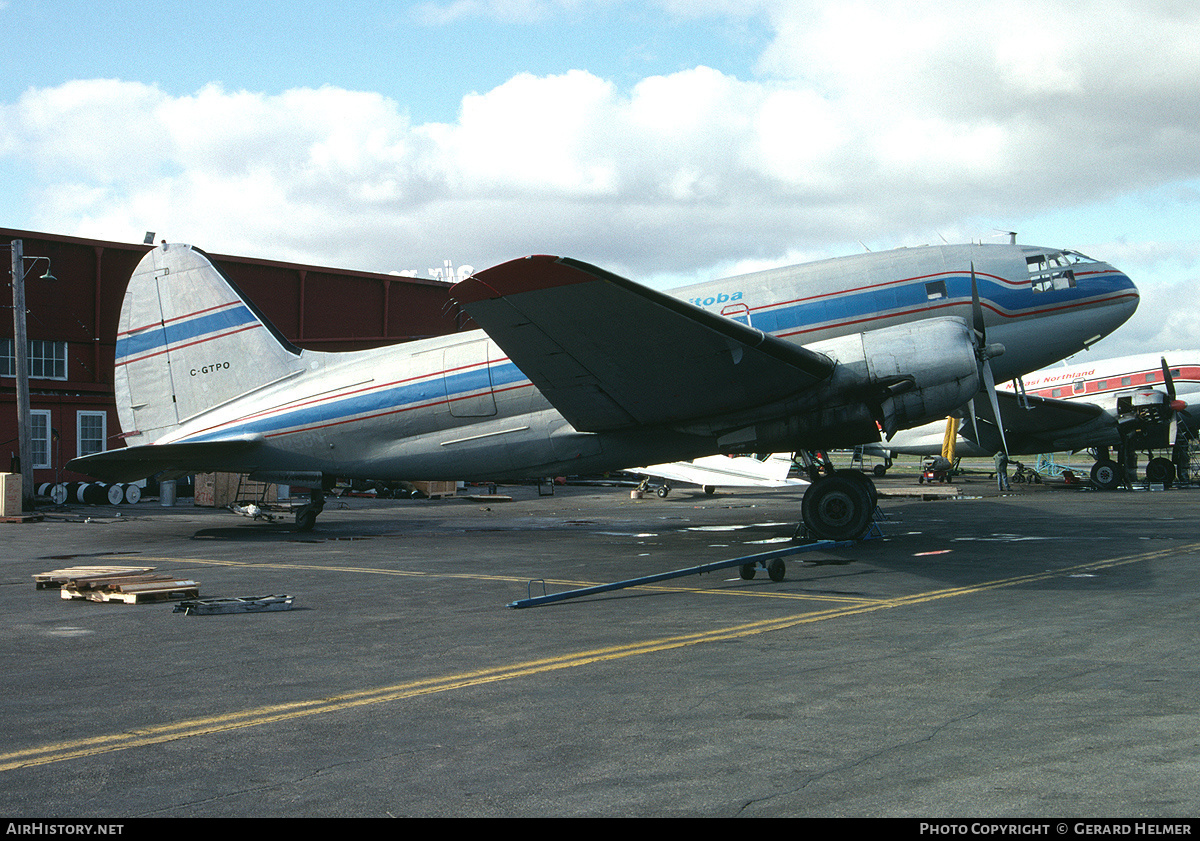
<point x="188" y="341"/>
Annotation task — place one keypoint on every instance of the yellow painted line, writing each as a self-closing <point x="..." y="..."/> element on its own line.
<point x="762" y="594"/>
<point x="76" y="749"/>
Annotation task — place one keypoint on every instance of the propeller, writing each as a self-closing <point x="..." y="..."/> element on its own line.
<point x="1175" y="403"/>
<point x="985" y="353"/>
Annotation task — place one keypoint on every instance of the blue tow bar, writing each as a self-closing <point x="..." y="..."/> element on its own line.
<point x="763" y="558"/>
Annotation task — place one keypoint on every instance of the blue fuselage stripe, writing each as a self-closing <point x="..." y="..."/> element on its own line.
<point x="1003" y="297"/>
<point x="163" y="336"/>
<point x="436" y="389"/>
<point x="817" y="315"/>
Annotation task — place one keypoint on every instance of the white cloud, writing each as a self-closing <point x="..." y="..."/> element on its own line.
<point x="870" y="121"/>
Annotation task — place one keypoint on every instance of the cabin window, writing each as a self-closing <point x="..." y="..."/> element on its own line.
<point x="1078" y="386"/>
<point x="1125" y="381"/>
<point x="1100" y="384"/>
<point x="935" y="289"/>
<point x="1056" y="392"/>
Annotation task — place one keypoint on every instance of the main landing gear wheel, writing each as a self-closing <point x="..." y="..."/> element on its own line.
<point x="1160" y="471"/>
<point x="865" y="481"/>
<point x="838" y="507"/>
<point x="306" y="517"/>
<point x="663" y="491"/>
<point x="1106" y="475"/>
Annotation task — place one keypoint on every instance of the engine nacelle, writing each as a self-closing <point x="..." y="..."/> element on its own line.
<point x="914" y="372"/>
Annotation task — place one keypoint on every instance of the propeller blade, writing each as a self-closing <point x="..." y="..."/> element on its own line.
<point x="990" y="380"/>
<point x="1168" y="380"/>
<point x="977" y="309"/>
<point x="974" y="419"/>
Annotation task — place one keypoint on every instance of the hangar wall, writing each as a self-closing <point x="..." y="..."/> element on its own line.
<point x="72" y="326"/>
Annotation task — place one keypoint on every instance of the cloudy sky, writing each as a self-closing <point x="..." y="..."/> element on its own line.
<point x="666" y="140"/>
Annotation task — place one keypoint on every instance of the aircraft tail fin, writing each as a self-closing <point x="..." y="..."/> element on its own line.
<point x="189" y="341"/>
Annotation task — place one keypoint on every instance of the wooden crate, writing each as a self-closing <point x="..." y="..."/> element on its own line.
<point x="436" y="490"/>
<point x="218" y="490"/>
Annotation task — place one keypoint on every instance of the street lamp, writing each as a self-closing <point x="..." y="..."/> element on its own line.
<point x="21" y="354"/>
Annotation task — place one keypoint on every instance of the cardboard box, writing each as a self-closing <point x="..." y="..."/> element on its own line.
<point x="10" y="494"/>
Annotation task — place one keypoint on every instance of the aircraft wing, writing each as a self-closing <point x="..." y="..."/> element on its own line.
<point x="725" y="472"/>
<point x="612" y="354"/>
<point x="1036" y="429"/>
<point x="130" y="464"/>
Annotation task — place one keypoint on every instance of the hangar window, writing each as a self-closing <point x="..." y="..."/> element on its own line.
<point x="47" y="360"/>
<point x="90" y="432"/>
<point x="935" y="289"/>
<point x="39" y="438"/>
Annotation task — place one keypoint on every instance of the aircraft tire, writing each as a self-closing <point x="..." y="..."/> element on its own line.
<point x="710" y="489"/>
<point x="1106" y="475"/>
<point x="865" y="481"/>
<point x="662" y="492"/>
<point x="306" y="520"/>
<point x="879" y="470"/>
<point x="746" y="571"/>
<point x="1160" y="471"/>
<point x="777" y="569"/>
<point x="837" y="508"/>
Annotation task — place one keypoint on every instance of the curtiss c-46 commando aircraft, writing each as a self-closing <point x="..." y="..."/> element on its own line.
<point x="577" y="370"/>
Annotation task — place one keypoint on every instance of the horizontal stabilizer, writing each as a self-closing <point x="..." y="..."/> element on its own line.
<point x="611" y="354"/>
<point x="130" y="464"/>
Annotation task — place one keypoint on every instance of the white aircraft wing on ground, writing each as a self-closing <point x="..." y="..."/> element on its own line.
<point x="712" y="472"/>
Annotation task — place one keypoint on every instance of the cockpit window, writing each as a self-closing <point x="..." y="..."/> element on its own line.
<point x="1052" y="270"/>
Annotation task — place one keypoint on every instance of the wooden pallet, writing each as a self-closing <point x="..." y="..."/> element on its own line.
<point x="55" y="578"/>
<point x="23" y="518"/>
<point x="139" y="588"/>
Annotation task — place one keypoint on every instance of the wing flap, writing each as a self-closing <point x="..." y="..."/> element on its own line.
<point x="610" y="354"/>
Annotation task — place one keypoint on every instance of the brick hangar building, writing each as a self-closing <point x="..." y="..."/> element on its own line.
<point x="72" y="326"/>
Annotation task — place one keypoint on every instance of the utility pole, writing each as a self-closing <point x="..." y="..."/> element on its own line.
<point x="21" y="353"/>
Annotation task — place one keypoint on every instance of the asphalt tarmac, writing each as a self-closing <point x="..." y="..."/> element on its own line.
<point x="1028" y="655"/>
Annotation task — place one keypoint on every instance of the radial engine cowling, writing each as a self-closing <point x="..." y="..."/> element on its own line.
<point x="912" y="373"/>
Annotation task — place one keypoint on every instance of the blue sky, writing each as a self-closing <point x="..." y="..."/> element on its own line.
<point x="666" y="140"/>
